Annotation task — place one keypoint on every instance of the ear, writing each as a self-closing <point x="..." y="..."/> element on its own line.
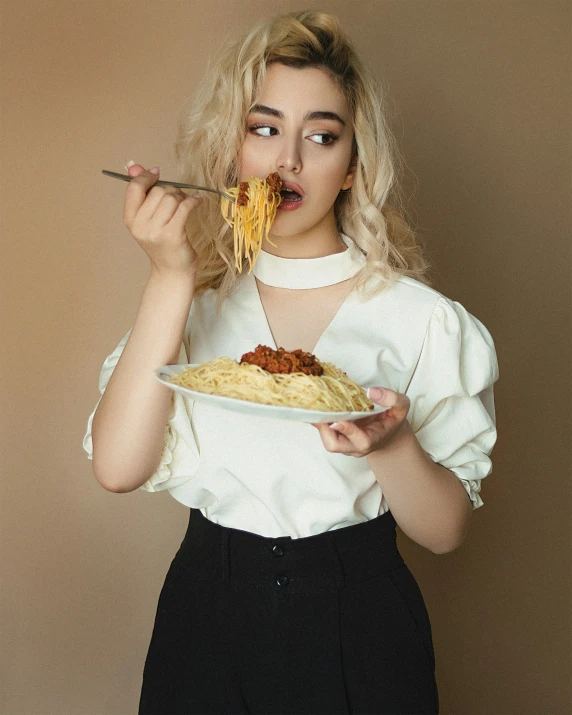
<point x="349" y="180"/>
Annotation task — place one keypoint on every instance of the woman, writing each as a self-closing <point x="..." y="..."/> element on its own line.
<point x="288" y="594"/>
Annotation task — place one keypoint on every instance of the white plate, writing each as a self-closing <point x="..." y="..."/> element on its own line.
<point x="255" y="408"/>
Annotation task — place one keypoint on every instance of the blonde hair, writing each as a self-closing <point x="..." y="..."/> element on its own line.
<point x="211" y="135"/>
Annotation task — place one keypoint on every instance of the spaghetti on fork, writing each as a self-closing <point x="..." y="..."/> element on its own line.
<point x="252" y="214"/>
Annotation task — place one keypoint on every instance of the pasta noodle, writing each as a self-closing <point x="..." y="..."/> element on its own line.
<point x="331" y="392"/>
<point x="251" y="215"/>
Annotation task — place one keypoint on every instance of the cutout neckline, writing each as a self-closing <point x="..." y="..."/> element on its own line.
<point x="304" y="273"/>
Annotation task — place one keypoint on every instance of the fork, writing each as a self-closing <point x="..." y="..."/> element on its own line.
<point x="178" y="184"/>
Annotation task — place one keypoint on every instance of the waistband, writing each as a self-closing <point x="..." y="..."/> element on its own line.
<point x="350" y="554"/>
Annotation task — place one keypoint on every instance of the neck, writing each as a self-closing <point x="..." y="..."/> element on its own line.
<point x="316" y="242"/>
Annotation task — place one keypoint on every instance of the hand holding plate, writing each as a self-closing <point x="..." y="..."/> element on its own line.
<point x="368" y="434"/>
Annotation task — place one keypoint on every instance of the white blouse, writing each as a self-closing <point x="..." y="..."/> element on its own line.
<point x="274" y="477"/>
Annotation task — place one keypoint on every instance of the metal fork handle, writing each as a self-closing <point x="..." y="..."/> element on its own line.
<point x="177" y="184"/>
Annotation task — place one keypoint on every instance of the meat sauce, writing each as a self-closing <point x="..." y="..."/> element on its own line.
<point x="283" y="362"/>
<point x="273" y="181"/>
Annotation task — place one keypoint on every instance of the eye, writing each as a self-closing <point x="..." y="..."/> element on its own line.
<point x="255" y="129"/>
<point x="326" y="138"/>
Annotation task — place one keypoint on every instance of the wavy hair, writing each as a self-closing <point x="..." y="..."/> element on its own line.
<point x="211" y="135"/>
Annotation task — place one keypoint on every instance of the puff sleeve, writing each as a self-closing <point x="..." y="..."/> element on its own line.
<point x="451" y="391"/>
<point x="179" y="457"/>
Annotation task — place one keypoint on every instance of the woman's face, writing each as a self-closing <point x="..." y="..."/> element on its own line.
<point x="301" y="128"/>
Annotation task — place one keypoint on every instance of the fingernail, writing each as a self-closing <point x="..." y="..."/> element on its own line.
<point x="129" y="164"/>
<point x="375" y="393"/>
<point x="335" y="425"/>
<point x="155" y="170"/>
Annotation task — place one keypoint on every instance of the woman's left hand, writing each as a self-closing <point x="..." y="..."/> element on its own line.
<point x="359" y="438"/>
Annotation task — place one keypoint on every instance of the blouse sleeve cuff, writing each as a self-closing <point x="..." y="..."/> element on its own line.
<point x="163" y="472"/>
<point x="471" y="486"/>
<point x="180" y="455"/>
<point x="87" y="440"/>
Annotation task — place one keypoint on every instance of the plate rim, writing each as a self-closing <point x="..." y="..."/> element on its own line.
<point x="249" y="407"/>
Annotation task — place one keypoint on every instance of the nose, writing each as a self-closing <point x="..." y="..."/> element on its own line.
<point x="289" y="157"/>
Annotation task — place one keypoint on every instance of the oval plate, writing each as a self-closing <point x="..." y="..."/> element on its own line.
<point x="296" y="414"/>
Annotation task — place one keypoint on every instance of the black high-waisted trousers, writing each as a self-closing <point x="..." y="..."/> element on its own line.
<point x="322" y="625"/>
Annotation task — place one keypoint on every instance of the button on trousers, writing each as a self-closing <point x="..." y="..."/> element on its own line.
<point x="323" y="625"/>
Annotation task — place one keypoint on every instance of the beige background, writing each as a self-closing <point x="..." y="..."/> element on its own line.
<point x="482" y="97"/>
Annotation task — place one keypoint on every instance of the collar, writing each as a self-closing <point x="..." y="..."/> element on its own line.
<point x="309" y="272"/>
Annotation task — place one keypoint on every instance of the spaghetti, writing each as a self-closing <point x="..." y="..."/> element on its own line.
<point x="332" y="391"/>
<point x="251" y="215"/>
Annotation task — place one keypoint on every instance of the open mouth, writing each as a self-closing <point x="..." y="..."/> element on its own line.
<point x="290" y="196"/>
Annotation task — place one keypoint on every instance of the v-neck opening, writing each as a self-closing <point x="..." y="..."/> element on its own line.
<point x="272" y="342"/>
<point x="266" y="321"/>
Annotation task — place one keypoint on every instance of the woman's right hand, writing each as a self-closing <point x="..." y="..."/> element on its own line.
<point x="156" y="218"/>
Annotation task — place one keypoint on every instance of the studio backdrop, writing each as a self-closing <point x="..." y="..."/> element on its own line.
<point x="479" y="99"/>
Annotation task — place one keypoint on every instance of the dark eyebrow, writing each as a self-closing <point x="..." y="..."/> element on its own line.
<point x="310" y="116"/>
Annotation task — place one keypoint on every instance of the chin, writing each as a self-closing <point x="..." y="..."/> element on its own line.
<point x="281" y="235"/>
<point x="285" y="232"/>
<point x="291" y="227"/>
